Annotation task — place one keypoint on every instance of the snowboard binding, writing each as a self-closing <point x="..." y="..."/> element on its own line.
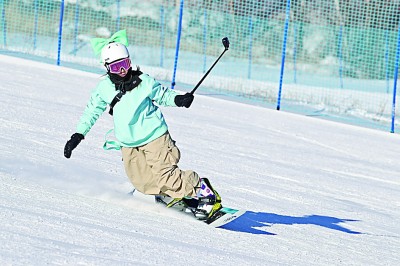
<point x="203" y="206"/>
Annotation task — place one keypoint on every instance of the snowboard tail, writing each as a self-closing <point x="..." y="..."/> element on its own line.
<point x="224" y="216"/>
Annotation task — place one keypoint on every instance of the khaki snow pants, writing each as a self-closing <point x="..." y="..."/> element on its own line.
<point x="153" y="169"/>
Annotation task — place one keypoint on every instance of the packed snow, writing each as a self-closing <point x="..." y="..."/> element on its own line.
<point x="316" y="192"/>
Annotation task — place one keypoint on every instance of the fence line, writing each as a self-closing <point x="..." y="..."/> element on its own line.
<point x="339" y="50"/>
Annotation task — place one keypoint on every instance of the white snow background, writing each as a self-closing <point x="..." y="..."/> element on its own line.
<point x="316" y="192"/>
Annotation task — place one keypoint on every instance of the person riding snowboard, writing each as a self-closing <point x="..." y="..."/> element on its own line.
<point x="149" y="153"/>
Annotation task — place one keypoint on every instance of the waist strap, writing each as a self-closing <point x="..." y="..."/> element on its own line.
<point x="111" y="144"/>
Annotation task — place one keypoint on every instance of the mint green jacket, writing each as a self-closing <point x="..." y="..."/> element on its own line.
<point x="137" y="120"/>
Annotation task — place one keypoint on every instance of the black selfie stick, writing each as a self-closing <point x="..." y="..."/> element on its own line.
<point x="225" y="42"/>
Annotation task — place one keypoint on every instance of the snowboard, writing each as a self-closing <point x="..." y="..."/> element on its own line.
<point x="221" y="217"/>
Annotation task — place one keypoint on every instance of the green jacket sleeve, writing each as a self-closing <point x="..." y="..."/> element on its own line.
<point x="94" y="108"/>
<point x="161" y="95"/>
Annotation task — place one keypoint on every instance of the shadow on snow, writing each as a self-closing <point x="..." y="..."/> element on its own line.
<point x="249" y="222"/>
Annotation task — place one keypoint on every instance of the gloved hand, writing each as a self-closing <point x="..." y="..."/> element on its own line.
<point x="184" y="100"/>
<point x="72" y="143"/>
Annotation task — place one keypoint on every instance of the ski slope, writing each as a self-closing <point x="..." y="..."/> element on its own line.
<point x="316" y="192"/>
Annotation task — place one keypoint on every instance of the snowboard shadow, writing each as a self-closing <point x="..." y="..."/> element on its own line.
<point x="252" y="222"/>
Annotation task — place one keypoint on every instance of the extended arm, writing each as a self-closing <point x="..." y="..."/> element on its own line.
<point x="94" y="108"/>
<point x="167" y="97"/>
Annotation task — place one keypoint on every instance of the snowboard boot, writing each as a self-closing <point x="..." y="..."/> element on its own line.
<point x="209" y="200"/>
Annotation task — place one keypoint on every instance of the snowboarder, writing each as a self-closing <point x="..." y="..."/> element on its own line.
<point x="149" y="153"/>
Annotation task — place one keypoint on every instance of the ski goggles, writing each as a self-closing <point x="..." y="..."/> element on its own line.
<point x="117" y="66"/>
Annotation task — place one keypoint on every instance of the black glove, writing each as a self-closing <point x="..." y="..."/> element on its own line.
<point x="184" y="100"/>
<point x="72" y="143"/>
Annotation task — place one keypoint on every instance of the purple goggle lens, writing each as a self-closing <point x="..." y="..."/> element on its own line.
<point x="115" y="67"/>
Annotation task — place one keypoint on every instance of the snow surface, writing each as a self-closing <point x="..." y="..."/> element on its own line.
<point x="316" y="192"/>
